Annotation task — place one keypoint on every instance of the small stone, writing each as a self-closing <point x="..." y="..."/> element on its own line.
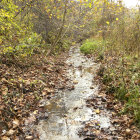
<point x="71" y="88"/>
<point x="103" y="100"/>
<point x="91" y="87"/>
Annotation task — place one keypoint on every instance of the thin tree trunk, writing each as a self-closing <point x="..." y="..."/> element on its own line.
<point x="60" y="31"/>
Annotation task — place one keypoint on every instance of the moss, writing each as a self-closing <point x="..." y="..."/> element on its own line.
<point x="91" y="46"/>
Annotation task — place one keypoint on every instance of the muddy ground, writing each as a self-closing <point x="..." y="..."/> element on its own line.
<point x="84" y="111"/>
<point x="61" y="98"/>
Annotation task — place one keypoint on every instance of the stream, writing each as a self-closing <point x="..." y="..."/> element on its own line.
<point x="68" y="110"/>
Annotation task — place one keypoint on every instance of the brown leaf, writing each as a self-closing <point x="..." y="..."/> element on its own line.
<point x="10" y="132"/>
<point x="5" y="138"/>
<point x="75" y="82"/>
<point x="29" y="137"/>
<point x="4" y="90"/>
<point x="15" y="123"/>
<point x="128" y="131"/>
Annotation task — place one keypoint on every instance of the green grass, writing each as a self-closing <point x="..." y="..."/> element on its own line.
<point x="121" y="74"/>
<point x="91" y="46"/>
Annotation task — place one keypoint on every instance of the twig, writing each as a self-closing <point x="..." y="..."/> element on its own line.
<point x="60" y="31"/>
<point x="24" y="8"/>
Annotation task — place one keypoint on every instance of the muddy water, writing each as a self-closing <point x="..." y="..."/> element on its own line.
<point x="68" y="111"/>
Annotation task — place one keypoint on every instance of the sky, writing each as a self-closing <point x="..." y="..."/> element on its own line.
<point x="131" y="3"/>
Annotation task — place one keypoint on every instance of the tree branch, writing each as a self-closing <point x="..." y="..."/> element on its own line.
<point x="60" y="31"/>
<point x="27" y="4"/>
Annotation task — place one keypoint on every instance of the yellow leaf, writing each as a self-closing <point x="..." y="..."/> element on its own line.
<point x="0" y="41"/>
<point x="97" y="111"/>
<point x="117" y="19"/>
<point x="35" y="112"/>
<point x="108" y="22"/>
<point x="90" y="5"/>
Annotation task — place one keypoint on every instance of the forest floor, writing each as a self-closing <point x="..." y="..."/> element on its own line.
<point x="22" y="87"/>
<point x="60" y="98"/>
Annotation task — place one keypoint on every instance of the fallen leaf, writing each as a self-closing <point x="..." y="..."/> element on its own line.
<point x="29" y="137"/>
<point x="75" y="82"/>
<point x="35" y="112"/>
<point x="97" y="111"/>
<point x="15" y="123"/>
<point x="128" y="131"/>
<point x="5" y="138"/>
<point x="10" y="132"/>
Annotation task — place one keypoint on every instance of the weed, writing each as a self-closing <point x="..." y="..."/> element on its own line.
<point x="92" y="46"/>
<point x="120" y="73"/>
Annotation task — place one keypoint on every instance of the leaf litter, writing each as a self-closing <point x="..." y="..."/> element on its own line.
<point x="21" y="89"/>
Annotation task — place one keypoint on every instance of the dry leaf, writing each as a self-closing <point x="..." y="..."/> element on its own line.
<point x="97" y="111"/>
<point x="5" y="138"/>
<point x="15" y="123"/>
<point x="29" y="137"/>
<point x="75" y="82"/>
<point x="128" y="131"/>
<point x="10" y="132"/>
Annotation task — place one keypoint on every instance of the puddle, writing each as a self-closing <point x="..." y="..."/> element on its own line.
<point x="68" y="110"/>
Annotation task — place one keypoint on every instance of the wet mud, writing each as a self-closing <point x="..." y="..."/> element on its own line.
<point x="68" y="111"/>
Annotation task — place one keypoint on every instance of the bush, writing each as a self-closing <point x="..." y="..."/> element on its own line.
<point x="91" y="46"/>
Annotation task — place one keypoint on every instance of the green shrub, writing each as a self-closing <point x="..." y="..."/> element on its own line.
<point x="92" y="46"/>
<point x="25" y="47"/>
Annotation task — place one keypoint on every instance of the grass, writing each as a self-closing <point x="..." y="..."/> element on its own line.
<point x="121" y="74"/>
<point x="91" y="46"/>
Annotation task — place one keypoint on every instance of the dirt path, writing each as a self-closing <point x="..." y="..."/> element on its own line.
<point x="81" y="112"/>
<point x="68" y="110"/>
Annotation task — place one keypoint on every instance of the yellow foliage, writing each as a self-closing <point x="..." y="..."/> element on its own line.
<point x="8" y="49"/>
<point x="108" y="22"/>
<point x="90" y="5"/>
<point x="0" y="41"/>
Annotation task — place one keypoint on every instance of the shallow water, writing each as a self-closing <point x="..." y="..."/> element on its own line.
<point x="68" y="110"/>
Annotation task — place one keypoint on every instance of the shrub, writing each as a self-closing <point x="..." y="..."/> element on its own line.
<point x="92" y="46"/>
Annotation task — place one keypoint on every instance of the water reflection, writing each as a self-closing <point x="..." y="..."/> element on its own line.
<point x="68" y="110"/>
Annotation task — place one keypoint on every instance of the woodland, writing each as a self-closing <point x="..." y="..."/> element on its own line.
<point x="35" y="37"/>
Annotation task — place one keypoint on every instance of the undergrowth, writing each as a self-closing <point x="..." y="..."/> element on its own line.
<point x="91" y="46"/>
<point x="27" y="51"/>
<point x="120" y="73"/>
